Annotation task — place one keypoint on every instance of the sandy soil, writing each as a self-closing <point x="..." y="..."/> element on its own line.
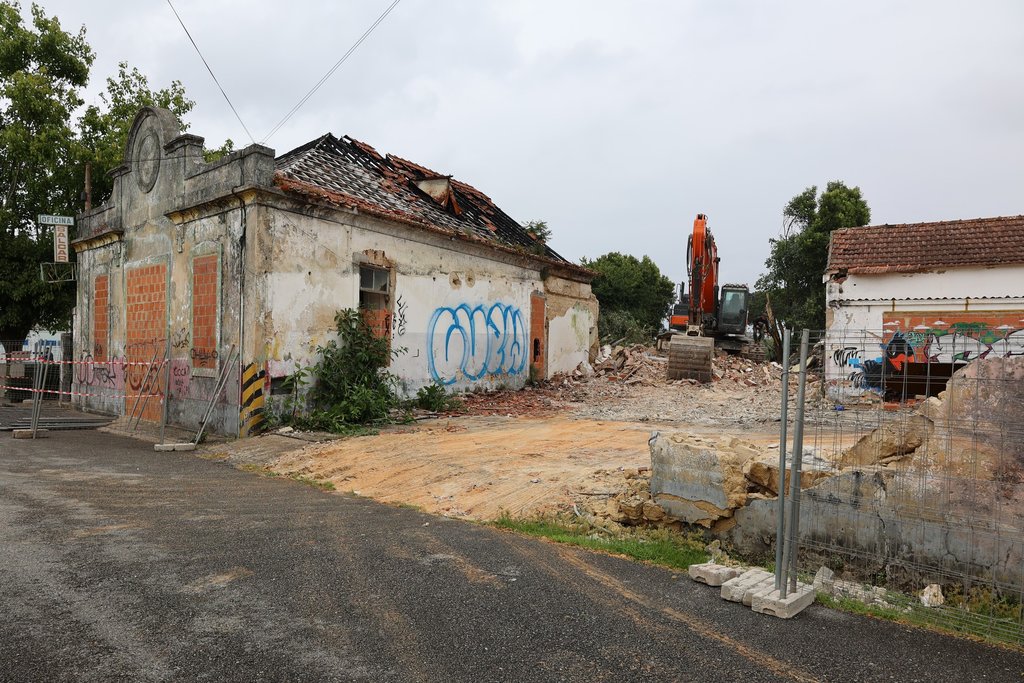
<point x="578" y="440"/>
<point x="480" y="467"/>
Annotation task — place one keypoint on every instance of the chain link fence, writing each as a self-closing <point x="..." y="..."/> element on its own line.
<point x="913" y="463"/>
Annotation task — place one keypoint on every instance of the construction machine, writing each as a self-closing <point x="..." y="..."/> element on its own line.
<point x="710" y="317"/>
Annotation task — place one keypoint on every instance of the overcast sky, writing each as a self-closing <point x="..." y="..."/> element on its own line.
<point x="617" y="122"/>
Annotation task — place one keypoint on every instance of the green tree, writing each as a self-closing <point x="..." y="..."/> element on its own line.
<point x="796" y="265"/>
<point x="539" y="231"/>
<point x="43" y="155"/>
<point x="633" y="295"/>
<point x="42" y="68"/>
<point x="104" y="129"/>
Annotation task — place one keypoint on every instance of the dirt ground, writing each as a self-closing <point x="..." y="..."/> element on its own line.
<point x="573" y="443"/>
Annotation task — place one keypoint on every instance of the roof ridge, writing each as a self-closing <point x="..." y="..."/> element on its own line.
<point x="955" y="221"/>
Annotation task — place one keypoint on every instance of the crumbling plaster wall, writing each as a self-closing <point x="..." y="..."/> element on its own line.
<point x="168" y="207"/>
<point x="460" y="311"/>
<point x="571" y="311"/>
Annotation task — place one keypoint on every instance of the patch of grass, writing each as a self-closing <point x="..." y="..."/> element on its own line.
<point x="436" y="398"/>
<point x="965" y="620"/>
<point x="322" y="484"/>
<point x="256" y="468"/>
<point x="657" y="546"/>
<point x="265" y="471"/>
<point x="215" y="456"/>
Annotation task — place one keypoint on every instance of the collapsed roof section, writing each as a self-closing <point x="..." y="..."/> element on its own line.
<point x="353" y="174"/>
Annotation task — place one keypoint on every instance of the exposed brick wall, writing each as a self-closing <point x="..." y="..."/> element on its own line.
<point x="146" y="330"/>
<point x="204" y="311"/>
<point x="100" y="317"/>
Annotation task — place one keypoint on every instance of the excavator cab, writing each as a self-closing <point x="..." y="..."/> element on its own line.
<point x="732" y="309"/>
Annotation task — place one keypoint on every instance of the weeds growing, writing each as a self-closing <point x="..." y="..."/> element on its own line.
<point x="657" y="546"/>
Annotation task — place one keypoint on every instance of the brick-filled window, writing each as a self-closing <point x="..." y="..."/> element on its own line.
<point x="375" y="299"/>
<point x="100" y="317"/>
<point x="205" y="311"/>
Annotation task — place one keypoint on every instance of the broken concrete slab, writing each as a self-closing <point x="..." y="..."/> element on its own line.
<point x="699" y="479"/>
<point x="891" y="440"/>
<point x="713" y="574"/>
<point x="167" y="447"/>
<point x="770" y="601"/>
<point x="743" y="587"/>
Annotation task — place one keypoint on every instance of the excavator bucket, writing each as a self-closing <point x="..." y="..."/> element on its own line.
<point x="690" y="357"/>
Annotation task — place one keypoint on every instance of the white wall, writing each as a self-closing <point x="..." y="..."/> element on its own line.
<point x="462" y="319"/>
<point x="569" y="339"/>
<point x="857" y="304"/>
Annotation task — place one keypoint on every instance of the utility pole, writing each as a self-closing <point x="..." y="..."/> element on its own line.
<point x="88" y="185"/>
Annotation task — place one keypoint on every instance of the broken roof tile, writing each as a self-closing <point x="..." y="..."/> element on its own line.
<point x="353" y="174"/>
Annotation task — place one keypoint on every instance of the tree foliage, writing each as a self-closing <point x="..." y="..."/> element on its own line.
<point x="104" y="129"/>
<point x="42" y="68"/>
<point x="43" y="153"/>
<point x="798" y="258"/>
<point x="540" y="232"/>
<point x="630" y="291"/>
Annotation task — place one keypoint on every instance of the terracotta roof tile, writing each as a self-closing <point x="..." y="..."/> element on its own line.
<point x="916" y="247"/>
<point x="354" y="174"/>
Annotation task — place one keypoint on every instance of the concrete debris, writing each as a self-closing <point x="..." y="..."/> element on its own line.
<point x="824" y="579"/>
<point x="713" y="574"/>
<point x="932" y="596"/>
<point x="889" y="442"/>
<point x="629" y="384"/>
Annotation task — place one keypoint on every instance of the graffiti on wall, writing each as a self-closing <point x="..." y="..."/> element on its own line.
<point x="476" y="342"/>
<point x="398" y="321"/>
<point x="923" y="338"/>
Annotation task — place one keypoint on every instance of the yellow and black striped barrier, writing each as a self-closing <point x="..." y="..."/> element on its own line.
<point x="251" y="412"/>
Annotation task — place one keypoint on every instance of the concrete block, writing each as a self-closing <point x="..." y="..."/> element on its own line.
<point x="749" y="582"/>
<point x="769" y="602"/>
<point x="165" y="447"/>
<point x="27" y="433"/>
<point x="712" y="574"/>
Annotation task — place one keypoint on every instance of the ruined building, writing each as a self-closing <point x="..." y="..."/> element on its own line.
<point x="241" y="264"/>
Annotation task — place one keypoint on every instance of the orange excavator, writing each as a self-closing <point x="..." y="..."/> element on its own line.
<point x="710" y="317"/>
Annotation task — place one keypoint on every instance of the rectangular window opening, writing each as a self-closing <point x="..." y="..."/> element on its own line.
<point x="375" y="299"/>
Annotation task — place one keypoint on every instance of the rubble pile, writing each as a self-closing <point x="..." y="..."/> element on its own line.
<point x="630" y="384"/>
<point x="630" y="504"/>
<point x="635" y="364"/>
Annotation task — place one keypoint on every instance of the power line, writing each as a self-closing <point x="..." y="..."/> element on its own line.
<point x="331" y="71"/>
<point x="200" y="53"/>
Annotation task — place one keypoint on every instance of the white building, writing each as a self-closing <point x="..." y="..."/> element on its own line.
<point x="916" y="300"/>
<point x="237" y="268"/>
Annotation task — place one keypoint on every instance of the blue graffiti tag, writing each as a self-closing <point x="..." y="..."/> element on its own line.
<point x="478" y="341"/>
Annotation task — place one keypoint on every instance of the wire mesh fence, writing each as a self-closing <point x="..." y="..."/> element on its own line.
<point x="915" y="454"/>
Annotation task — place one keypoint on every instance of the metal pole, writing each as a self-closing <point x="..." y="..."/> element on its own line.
<point x="34" y="422"/>
<point x="138" y="396"/>
<point x="221" y="382"/>
<point x="42" y="384"/>
<point x="780" y="508"/>
<point x="798" y="453"/>
<point x="167" y="391"/>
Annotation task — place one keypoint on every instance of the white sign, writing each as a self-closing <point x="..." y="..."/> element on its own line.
<point x="45" y="219"/>
<point x="60" y="243"/>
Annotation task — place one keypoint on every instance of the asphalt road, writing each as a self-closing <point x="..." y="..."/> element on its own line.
<point x="118" y="563"/>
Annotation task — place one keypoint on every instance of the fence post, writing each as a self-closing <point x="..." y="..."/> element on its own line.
<point x="798" y="456"/>
<point x="780" y="509"/>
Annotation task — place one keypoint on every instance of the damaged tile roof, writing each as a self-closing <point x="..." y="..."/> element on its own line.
<point x="917" y="247"/>
<point x="352" y="174"/>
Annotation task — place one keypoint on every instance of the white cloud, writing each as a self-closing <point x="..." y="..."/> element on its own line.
<point x="618" y="122"/>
